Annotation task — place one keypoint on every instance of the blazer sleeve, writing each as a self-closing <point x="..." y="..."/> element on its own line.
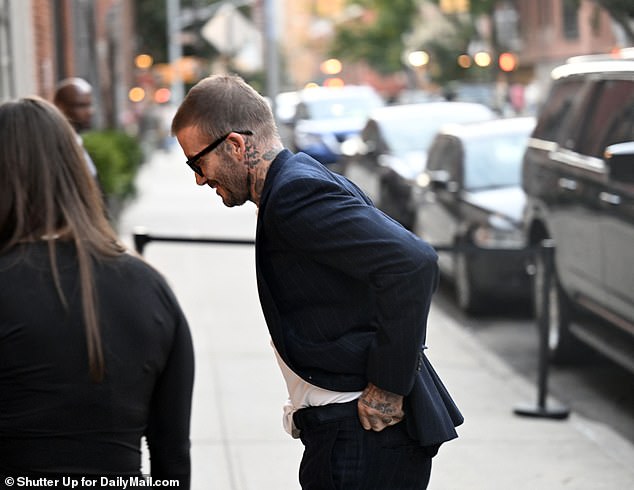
<point x="336" y="226"/>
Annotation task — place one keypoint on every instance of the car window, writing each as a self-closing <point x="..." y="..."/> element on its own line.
<point x="405" y="135"/>
<point x="371" y="138"/>
<point x="408" y="134"/>
<point x="612" y="118"/>
<point x="347" y="106"/>
<point x="557" y="109"/>
<point x="453" y="156"/>
<point x="494" y="161"/>
<point x="301" y="112"/>
<point x="445" y="153"/>
<point x="437" y="153"/>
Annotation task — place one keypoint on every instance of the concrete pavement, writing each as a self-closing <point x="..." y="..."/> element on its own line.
<point x="237" y="438"/>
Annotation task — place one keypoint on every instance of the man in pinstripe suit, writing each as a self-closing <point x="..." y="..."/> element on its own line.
<point x="345" y="292"/>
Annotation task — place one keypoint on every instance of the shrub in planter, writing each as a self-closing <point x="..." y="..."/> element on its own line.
<point x="117" y="157"/>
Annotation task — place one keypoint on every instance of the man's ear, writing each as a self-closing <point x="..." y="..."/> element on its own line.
<point x="237" y="144"/>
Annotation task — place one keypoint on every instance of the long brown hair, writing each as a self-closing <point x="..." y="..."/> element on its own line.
<point x="47" y="192"/>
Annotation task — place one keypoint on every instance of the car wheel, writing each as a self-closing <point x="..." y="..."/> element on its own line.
<point x="561" y="344"/>
<point x="467" y="296"/>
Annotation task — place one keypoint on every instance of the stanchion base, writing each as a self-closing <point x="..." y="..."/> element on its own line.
<point x="527" y="410"/>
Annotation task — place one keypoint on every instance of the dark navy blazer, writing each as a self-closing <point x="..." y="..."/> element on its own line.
<point x="346" y="290"/>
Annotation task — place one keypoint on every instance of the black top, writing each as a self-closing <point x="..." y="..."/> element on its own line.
<point x="53" y="417"/>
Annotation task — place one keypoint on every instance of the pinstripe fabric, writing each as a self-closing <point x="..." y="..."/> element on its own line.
<point x="346" y="290"/>
<point x="340" y="454"/>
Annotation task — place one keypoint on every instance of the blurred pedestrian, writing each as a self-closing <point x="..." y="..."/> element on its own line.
<point x="516" y="98"/>
<point x="345" y="292"/>
<point x="95" y="352"/>
<point x="73" y="96"/>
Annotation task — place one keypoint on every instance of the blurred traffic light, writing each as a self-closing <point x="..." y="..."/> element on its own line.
<point x="464" y="61"/>
<point x="454" y="6"/>
<point x="162" y="95"/>
<point x="136" y="94"/>
<point x="482" y="59"/>
<point x="143" y="61"/>
<point x="331" y="66"/>
<point x="507" y="62"/>
<point x="335" y="82"/>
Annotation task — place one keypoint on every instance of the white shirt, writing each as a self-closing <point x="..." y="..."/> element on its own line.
<point x="91" y="165"/>
<point x="302" y="394"/>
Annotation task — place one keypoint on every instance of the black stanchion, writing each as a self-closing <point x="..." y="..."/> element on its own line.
<point x="546" y="251"/>
<point x="541" y="409"/>
<point x="141" y="239"/>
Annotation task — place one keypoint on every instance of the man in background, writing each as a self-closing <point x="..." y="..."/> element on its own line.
<point x="73" y="96"/>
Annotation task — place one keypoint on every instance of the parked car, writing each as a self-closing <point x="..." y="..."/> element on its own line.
<point x="327" y="116"/>
<point x="285" y="108"/>
<point x="578" y="173"/>
<point x="480" y="92"/>
<point x="473" y="206"/>
<point x="391" y="151"/>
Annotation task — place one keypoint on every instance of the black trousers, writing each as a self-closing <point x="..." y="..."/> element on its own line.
<point x="339" y="454"/>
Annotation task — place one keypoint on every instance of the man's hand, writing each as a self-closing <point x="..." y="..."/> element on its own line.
<point x="379" y="408"/>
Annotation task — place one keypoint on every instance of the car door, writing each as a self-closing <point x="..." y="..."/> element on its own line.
<point x="576" y="179"/>
<point x="616" y="198"/>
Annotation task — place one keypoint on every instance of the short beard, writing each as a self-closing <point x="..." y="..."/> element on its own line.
<point x="235" y="184"/>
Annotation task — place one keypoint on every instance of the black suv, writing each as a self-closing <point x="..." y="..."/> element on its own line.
<point x="578" y="174"/>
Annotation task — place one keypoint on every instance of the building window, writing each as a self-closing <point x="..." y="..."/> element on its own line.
<point x="570" y="19"/>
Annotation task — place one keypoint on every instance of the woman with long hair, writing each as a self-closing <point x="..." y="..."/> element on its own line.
<point x="95" y="352"/>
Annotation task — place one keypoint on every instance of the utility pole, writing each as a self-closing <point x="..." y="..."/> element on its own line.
<point x="175" y="49"/>
<point x="271" y="64"/>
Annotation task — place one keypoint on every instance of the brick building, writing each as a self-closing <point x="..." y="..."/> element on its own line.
<point x="44" y="41"/>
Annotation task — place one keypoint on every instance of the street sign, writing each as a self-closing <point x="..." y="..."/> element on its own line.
<point x="232" y="34"/>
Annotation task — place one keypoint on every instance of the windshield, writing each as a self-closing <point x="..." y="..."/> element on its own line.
<point x="402" y="135"/>
<point x="349" y="106"/>
<point x="409" y="134"/>
<point x="494" y="161"/>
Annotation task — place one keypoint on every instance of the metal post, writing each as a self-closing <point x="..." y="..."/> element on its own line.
<point x="547" y="256"/>
<point x="141" y="239"/>
<point x="272" y="64"/>
<point x="175" y="50"/>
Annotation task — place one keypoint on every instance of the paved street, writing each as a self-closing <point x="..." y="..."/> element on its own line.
<point x="237" y="439"/>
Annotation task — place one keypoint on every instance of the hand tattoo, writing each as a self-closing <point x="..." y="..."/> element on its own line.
<point x="379" y="408"/>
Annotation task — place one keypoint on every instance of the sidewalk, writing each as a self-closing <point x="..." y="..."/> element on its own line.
<point x="237" y="438"/>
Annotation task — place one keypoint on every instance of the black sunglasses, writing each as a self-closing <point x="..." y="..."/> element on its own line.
<point x="209" y="148"/>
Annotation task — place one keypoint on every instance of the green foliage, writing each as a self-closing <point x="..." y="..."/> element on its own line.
<point x="445" y="50"/>
<point x="479" y="7"/>
<point x="445" y="68"/>
<point x="151" y="28"/>
<point x="117" y="157"/>
<point x="378" y="43"/>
